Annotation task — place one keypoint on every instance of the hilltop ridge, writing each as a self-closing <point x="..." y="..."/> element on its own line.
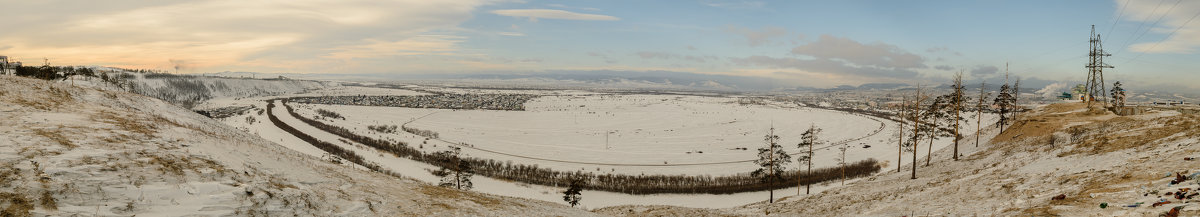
<point x="71" y="150"/>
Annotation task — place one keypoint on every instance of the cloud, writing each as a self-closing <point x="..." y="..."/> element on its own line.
<point x="757" y="37"/>
<point x="825" y="66"/>
<point x="534" y="14"/>
<point x="1182" y="20"/>
<point x="269" y="36"/>
<point x="689" y="47"/>
<point x="937" y="49"/>
<point x="734" y="4"/>
<point x="875" y="54"/>
<point x="944" y="67"/>
<point x="418" y="45"/>
<point x="700" y="59"/>
<point x="984" y="71"/>
<point x="511" y="33"/>
<point x="667" y="56"/>
<point x="654" y="55"/>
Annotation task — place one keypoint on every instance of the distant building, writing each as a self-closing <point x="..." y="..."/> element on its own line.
<point x="4" y="67"/>
<point x="1065" y="96"/>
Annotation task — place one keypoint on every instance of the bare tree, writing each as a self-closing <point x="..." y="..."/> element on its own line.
<point x="916" y="117"/>
<point x="979" y="111"/>
<point x="770" y="161"/>
<point x="808" y="139"/>
<point x="900" y="128"/>
<point x="957" y="99"/>
<point x="842" y="160"/>
<point x="1016" y="98"/>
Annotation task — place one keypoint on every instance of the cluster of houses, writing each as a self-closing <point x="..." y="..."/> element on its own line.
<point x="514" y="102"/>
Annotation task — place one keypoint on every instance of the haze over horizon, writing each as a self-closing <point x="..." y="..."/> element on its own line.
<point x="816" y="44"/>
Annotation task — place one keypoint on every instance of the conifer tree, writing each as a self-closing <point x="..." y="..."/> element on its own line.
<point x="573" y="193"/>
<point x="456" y="172"/>
<point x="807" y="140"/>
<point x="1004" y="101"/>
<point x="1118" y="95"/>
<point x="770" y="161"/>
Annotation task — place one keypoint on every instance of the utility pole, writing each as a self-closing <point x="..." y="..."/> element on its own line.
<point x="1095" y="66"/>
<point x="606" y="133"/>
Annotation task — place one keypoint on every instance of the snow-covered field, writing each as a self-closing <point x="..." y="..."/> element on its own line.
<point x="567" y="132"/>
<point x="650" y="134"/>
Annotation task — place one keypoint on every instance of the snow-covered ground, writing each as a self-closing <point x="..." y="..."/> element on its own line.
<point x="670" y="126"/>
<point x="1112" y="166"/>
<point x="81" y="151"/>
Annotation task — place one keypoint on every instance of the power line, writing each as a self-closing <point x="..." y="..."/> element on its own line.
<point x="1165" y="39"/>
<point x="1160" y="18"/>
<point x="1139" y="28"/>
<point x="1120" y="12"/>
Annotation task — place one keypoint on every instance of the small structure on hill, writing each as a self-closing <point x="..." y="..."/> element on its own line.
<point x="1065" y="96"/>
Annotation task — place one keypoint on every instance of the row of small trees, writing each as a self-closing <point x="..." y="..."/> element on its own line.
<point x="324" y="146"/>
<point x="426" y="133"/>
<point x="630" y="184"/>
<point x="382" y="128"/>
<point x="771" y="160"/>
<point x="942" y="115"/>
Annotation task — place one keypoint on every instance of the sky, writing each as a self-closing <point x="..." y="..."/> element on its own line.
<point x="805" y="43"/>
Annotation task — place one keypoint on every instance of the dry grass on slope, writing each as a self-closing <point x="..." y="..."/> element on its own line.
<point x="96" y="152"/>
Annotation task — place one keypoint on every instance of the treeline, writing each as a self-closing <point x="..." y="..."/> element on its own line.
<point x="383" y="128"/>
<point x="630" y="184"/>
<point x="47" y="72"/>
<point x="324" y="146"/>
<point x="420" y="132"/>
<point x="176" y="90"/>
<point x="52" y="72"/>
<point x="330" y="114"/>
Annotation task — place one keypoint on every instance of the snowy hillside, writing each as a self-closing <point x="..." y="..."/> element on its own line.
<point x="67" y="150"/>
<point x="1060" y="159"/>
<point x="193" y="91"/>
